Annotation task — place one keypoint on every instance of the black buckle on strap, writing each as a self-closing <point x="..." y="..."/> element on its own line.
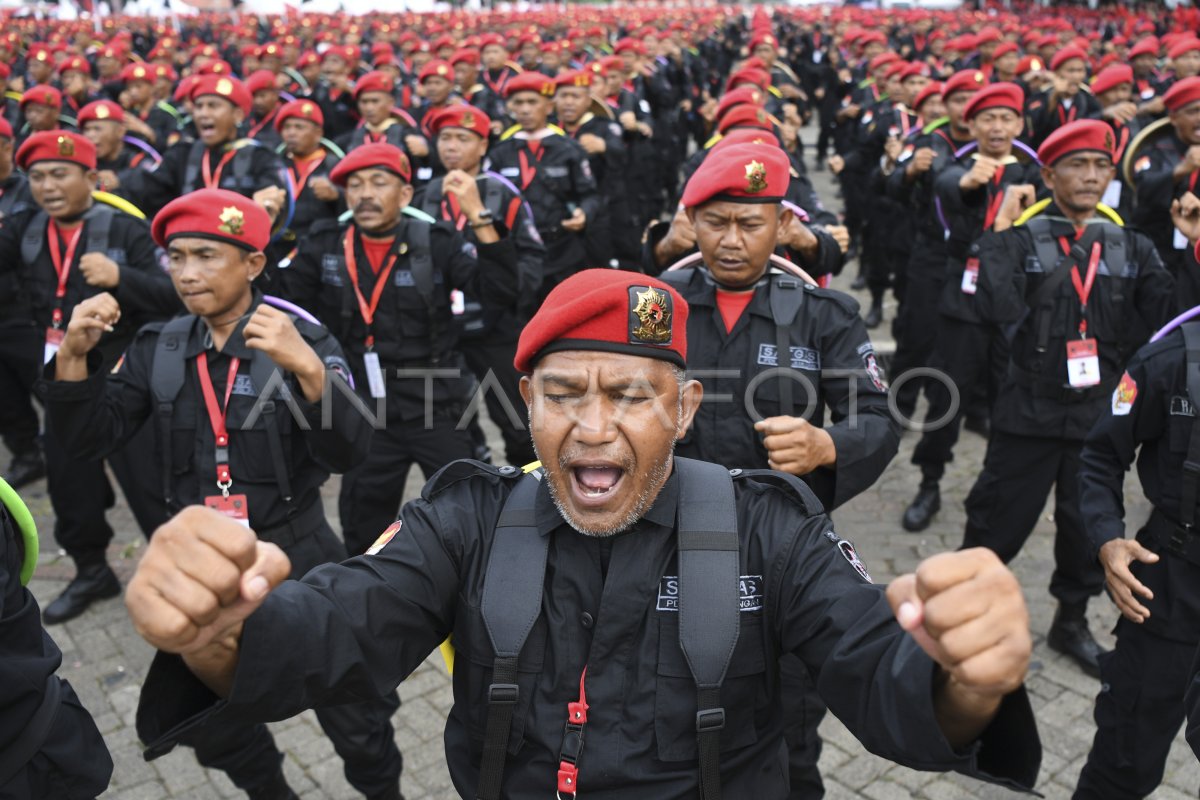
<point x="711" y="719"/>
<point x="503" y="694"/>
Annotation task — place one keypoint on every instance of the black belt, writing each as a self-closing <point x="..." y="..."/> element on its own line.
<point x="299" y="527"/>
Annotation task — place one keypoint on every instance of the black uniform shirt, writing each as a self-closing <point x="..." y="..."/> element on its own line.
<point x="830" y="351"/>
<point x="97" y="416"/>
<point x="357" y="629"/>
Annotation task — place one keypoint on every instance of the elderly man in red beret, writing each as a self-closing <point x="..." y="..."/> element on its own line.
<point x="206" y="382"/>
<point x="1075" y="293"/>
<point x="65" y="249"/>
<point x="1163" y="170"/>
<point x="611" y="610"/>
<point x="554" y="175"/>
<point x="385" y="284"/>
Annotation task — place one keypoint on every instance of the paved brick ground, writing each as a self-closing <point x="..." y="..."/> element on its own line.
<point x="105" y="661"/>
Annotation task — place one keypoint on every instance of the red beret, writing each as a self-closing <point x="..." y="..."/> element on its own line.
<point x="881" y="60"/>
<point x="103" y="110"/>
<point x="1111" y="77"/>
<point x="753" y="77"/>
<point x="574" y="77"/>
<point x="436" y="68"/>
<point x="893" y="69"/>
<point x="467" y="55"/>
<point x="217" y="214"/>
<point x="762" y="37"/>
<point x="871" y="37"/>
<point x="609" y="310"/>
<point x="1144" y="47"/>
<point x="379" y="155"/>
<point x="1030" y="64"/>
<point x="460" y="116"/>
<point x="46" y="95"/>
<point x="165" y="72"/>
<point x="184" y="90"/>
<point x="932" y="88"/>
<point x="532" y="81"/>
<point x="997" y="95"/>
<point x="1003" y="49"/>
<point x="742" y="95"/>
<point x="1083" y="134"/>
<point x="744" y="136"/>
<point x="306" y="110"/>
<point x="914" y="70"/>
<point x="987" y="34"/>
<point x="629" y="45"/>
<point x="5" y="71"/>
<point x="57" y="145"/>
<point x="225" y="87"/>
<point x="443" y="42"/>
<point x="374" y="82"/>
<point x="492" y="39"/>
<point x="6" y="128"/>
<point x="77" y="63"/>
<point x="1069" y="53"/>
<point x="215" y="67"/>
<point x="1184" y="45"/>
<point x="1182" y="93"/>
<point x="746" y="115"/>
<point x="261" y="80"/>
<point x="744" y="173"/>
<point x="966" y="80"/>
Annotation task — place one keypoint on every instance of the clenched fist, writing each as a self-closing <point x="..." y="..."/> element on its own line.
<point x="795" y="445"/>
<point x="982" y="171"/>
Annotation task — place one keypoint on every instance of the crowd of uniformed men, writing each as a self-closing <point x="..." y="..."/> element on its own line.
<point x="403" y="191"/>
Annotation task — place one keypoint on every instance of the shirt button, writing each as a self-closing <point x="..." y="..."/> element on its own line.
<point x="586" y="620"/>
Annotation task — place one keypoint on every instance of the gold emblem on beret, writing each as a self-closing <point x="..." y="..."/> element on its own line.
<point x="1108" y="140"/>
<point x="307" y="109"/>
<point x="232" y="221"/>
<point x="468" y="119"/>
<point x="102" y="112"/>
<point x="653" y="315"/>
<point x="41" y="56"/>
<point x="441" y="70"/>
<point x="756" y="177"/>
<point x="1035" y="64"/>
<point x="139" y="72"/>
<point x="225" y="86"/>
<point x="66" y="146"/>
<point x="48" y="98"/>
<point x="979" y="77"/>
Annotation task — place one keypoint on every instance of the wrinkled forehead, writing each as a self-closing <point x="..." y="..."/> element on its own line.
<point x="585" y="370"/>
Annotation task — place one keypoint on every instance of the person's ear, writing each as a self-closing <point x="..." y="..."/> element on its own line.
<point x="691" y="393"/>
<point x="256" y="263"/>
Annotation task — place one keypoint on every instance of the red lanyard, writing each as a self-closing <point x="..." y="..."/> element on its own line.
<point x="216" y="416"/>
<point x="996" y="201"/>
<point x="572" y="747"/>
<point x="1083" y="287"/>
<point x="1063" y="119"/>
<point x="62" y="266"/>
<point x="256" y="128"/>
<point x="1123" y="139"/>
<point x="529" y="171"/>
<point x="454" y="213"/>
<point x="305" y="169"/>
<point x="213" y="181"/>
<point x="367" y="311"/>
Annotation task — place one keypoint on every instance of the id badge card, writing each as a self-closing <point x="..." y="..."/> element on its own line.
<point x="234" y="506"/>
<point x="374" y="374"/>
<point x="1083" y="363"/>
<point x="1179" y="241"/>
<point x="54" y="340"/>
<point x="458" y="302"/>
<point x="970" y="278"/>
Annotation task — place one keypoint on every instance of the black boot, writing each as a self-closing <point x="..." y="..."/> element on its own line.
<point x="1069" y="635"/>
<point x="27" y="466"/>
<point x="874" y="316"/>
<point x="860" y="282"/>
<point x="92" y="582"/>
<point x="391" y="793"/>
<point x="275" y="789"/>
<point x="920" y="511"/>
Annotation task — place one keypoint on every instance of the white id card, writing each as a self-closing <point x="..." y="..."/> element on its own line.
<point x="458" y="302"/>
<point x="1083" y="363"/>
<point x="54" y="340"/>
<point x="374" y="374"/>
<point x="1179" y="241"/>
<point x="970" y="278"/>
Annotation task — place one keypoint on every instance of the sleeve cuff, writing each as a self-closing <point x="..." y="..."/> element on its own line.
<point x="53" y="390"/>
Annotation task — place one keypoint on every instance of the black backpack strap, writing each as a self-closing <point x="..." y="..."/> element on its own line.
<point x="709" y="610"/>
<point x="1042" y="301"/>
<point x="1116" y="256"/>
<point x="787" y="295"/>
<point x="99" y="227"/>
<point x="35" y="238"/>
<point x="191" y="172"/>
<point x="420" y="261"/>
<point x="1191" y="464"/>
<point x="512" y="602"/>
<point x="262" y="369"/>
<point x="493" y="198"/>
<point x="165" y="382"/>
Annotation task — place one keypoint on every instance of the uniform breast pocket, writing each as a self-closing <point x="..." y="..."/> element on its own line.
<point x="252" y="454"/>
<point x="411" y="311"/>
<point x="474" y="661"/>
<point x="744" y="694"/>
<point x="768" y="392"/>
<point x="558" y="180"/>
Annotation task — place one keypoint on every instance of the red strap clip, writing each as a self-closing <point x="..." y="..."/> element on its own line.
<point x="568" y="779"/>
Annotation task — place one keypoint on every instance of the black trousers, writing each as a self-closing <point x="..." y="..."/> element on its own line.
<point x="915" y="329"/>
<point x="970" y="356"/>
<point x="80" y="495"/>
<point x="18" y="372"/>
<point x="361" y="733"/>
<point x="1139" y="711"/>
<point x="372" y="491"/>
<point x="496" y="357"/>
<point x="803" y="711"/>
<point x="1007" y="498"/>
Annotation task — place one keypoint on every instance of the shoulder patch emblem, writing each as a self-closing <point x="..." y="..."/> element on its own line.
<point x="385" y="537"/>
<point x="851" y="555"/>
<point x="1124" y="396"/>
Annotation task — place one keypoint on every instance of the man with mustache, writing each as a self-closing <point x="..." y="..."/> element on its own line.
<point x="599" y="558"/>
<point x="383" y="284"/>
<point x="1075" y="295"/>
<point x="225" y="356"/>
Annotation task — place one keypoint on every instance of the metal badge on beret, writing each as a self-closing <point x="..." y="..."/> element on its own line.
<point x="232" y="221"/>
<point x="756" y="177"/>
<point x="66" y="147"/>
<point x="650" y="315"/>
